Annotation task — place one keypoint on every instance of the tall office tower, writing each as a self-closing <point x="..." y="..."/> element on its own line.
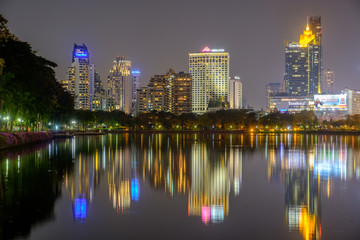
<point x="98" y="85"/>
<point x="210" y="76"/>
<point x="235" y="93"/>
<point x="135" y="79"/>
<point x="120" y="85"/>
<point x="327" y="82"/>
<point x="169" y="93"/>
<point x="78" y="77"/>
<point x="303" y="64"/>
<point x="271" y="89"/>
<point x="315" y="26"/>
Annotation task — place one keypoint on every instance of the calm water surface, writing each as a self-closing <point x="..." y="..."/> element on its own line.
<point x="183" y="186"/>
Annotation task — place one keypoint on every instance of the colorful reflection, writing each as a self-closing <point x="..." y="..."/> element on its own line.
<point x="205" y="169"/>
<point x="80" y="209"/>
<point x="308" y="171"/>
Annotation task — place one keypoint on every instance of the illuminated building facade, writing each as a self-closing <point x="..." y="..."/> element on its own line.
<point x="291" y="104"/>
<point x="271" y="89"/>
<point x="78" y="77"/>
<point x="169" y="93"/>
<point x="303" y="62"/>
<point x="353" y="101"/>
<point x="69" y="82"/>
<point x="100" y="102"/>
<point x="135" y="79"/>
<point x="180" y="98"/>
<point x="91" y="82"/>
<point x="120" y="84"/>
<point x="235" y="93"/>
<point x="210" y="76"/>
<point x="327" y="82"/>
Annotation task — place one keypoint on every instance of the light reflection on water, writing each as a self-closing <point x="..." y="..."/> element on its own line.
<point x="205" y="169"/>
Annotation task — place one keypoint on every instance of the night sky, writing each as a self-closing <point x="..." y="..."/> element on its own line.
<point x="157" y="35"/>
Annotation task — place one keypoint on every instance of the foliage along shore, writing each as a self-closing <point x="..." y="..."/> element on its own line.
<point x="20" y="138"/>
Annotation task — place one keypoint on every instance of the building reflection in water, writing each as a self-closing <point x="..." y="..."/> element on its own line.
<point x="208" y="169"/>
<point x="81" y="181"/>
<point x="308" y="166"/>
<point x="213" y="174"/>
<point x="121" y="174"/>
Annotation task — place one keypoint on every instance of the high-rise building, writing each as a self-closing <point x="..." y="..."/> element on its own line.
<point x="210" y="76"/>
<point x="327" y="82"/>
<point x="120" y="84"/>
<point x="135" y="79"/>
<point x="353" y="101"/>
<point x="271" y="89"/>
<point x="179" y="92"/>
<point x="78" y="77"/>
<point x="303" y="62"/>
<point x="235" y="93"/>
<point x="169" y="93"/>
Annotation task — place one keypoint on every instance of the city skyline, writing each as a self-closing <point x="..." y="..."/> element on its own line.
<point x="252" y="40"/>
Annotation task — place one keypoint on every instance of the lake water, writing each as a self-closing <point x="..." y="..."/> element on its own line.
<point x="183" y="186"/>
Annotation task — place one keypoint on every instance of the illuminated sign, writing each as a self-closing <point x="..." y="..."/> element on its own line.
<point x="333" y="102"/>
<point x="206" y="49"/>
<point x="297" y="103"/>
<point x="217" y="50"/>
<point x="81" y="54"/>
<point x="294" y="45"/>
<point x="135" y="72"/>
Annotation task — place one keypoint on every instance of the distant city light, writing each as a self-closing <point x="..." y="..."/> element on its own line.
<point x="205" y="214"/>
<point x="135" y="72"/>
<point x="135" y="189"/>
<point x="217" y="213"/>
<point x="80" y="208"/>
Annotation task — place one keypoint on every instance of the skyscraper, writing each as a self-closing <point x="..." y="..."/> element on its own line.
<point x="120" y="84"/>
<point x="210" y="75"/>
<point x="327" y="82"/>
<point x="235" y="93"/>
<point x="303" y="62"/>
<point x="78" y="77"/>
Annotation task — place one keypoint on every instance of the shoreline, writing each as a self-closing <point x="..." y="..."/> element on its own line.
<point x="241" y="131"/>
<point x="72" y="134"/>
